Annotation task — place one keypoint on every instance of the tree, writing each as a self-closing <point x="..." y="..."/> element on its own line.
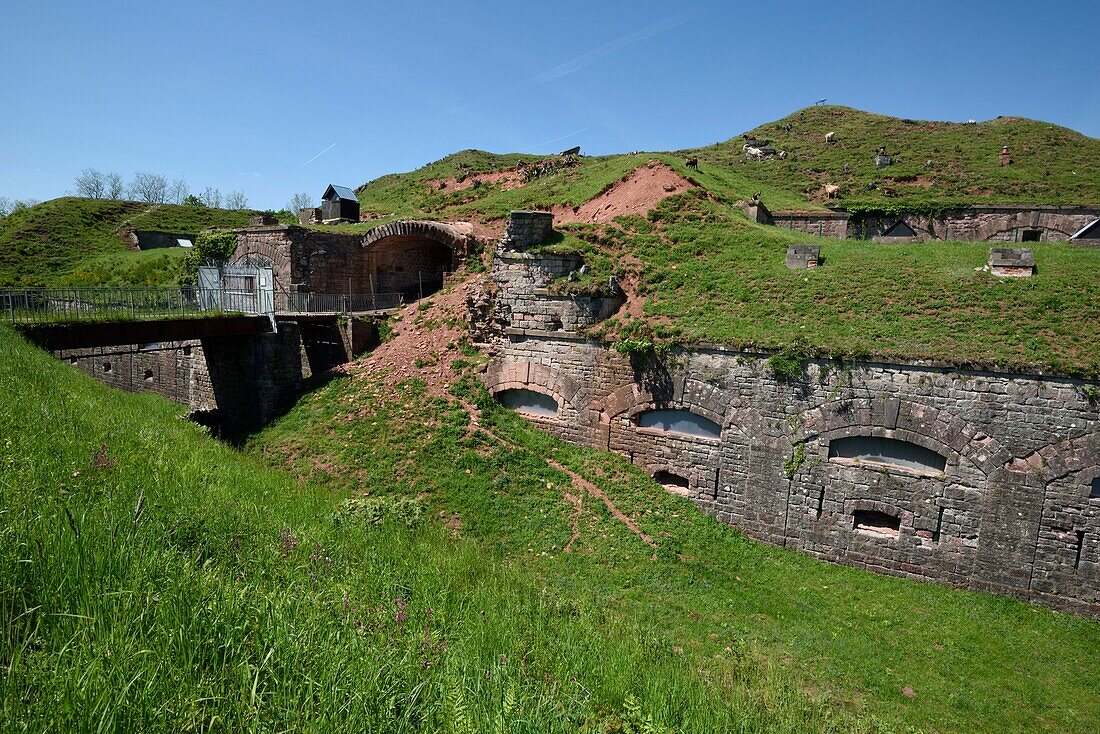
<point x="149" y="187"/>
<point x="299" y="202"/>
<point x="91" y="184"/>
<point x="178" y="191"/>
<point x="6" y="205"/>
<point x="115" y="189"/>
<point x="211" y="197"/>
<point x="192" y="200"/>
<point x="236" y="201"/>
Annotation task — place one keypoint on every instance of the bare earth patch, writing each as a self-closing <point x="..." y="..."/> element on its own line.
<point x="508" y="179"/>
<point x="636" y="194"/>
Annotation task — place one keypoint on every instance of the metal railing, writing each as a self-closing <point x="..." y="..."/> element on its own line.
<point x="58" y="305"/>
<point x="50" y="305"/>
<point x="319" y="303"/>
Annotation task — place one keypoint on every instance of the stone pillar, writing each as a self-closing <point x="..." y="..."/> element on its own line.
<point x="527" y="229"/>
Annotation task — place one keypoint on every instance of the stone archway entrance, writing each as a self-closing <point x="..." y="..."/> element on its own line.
<point x="413" y="257"/>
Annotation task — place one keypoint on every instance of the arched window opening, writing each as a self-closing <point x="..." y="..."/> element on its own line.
<point x="880" y="524"/>
<point x="674" y="483"/>
<point x="679" y="421"/>
<point x="888" y="452"/>
<point x="1095" y="492"/>
<point x="529" y="402"/>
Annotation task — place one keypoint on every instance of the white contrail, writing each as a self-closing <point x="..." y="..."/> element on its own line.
<point x="577" y="63"/>
<point x="587" y="59"/>
<point x="563" y="137"/>
<point x="326" y="150"/>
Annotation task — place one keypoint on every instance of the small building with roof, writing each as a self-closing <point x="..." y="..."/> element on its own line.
<point x="339" y="202"/>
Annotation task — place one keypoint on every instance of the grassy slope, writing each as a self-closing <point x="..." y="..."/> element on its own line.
<point x="153" y="579"/>
<point x="1052" y="165"/>
<point x="976" y="662"/>
<point x="75" y="241"/>
<point x="709" y="275"/>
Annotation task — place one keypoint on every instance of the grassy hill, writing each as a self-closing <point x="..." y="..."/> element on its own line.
<point x="1052" y="165"/>
<point x="934" y="162"/>
<point x="152" y="578"/>
<point x="74" y="241"/>
<point x="706" y="274"/>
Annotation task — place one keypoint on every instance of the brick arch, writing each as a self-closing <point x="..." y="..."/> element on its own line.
<point x="537" y="377"/>
<point x="252" y="251"/>
<point x="444" y="234"/>
<point x="699" y="397"/>
<point x="923" y="425"/>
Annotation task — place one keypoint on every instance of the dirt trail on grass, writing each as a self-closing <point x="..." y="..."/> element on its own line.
<point x="643" y="189"/>
<point x="426" y="339"/>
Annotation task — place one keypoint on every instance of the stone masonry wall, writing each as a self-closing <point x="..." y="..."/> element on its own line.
<point x="525" y="281"/>
<point x="243" y="381"/>
<point x="1011" y="512"/>
<point x="976" y="224"/>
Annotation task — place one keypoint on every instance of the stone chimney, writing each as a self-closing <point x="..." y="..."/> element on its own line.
<point x="527" y="229"/>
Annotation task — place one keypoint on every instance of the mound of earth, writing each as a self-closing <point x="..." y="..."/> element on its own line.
<point x="639" y="192"/>
<point x="508" y="179"/>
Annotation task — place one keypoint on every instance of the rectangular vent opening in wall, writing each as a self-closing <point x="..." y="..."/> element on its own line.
<point x="1095" y="492"/>
<point x="887" y="452"/>
<point x="529" y="402"/>
<point x="880" y="524"/>
<point x="674" y="483"/>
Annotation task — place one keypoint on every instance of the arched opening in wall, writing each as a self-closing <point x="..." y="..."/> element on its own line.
<point x="529" y="402"/>
<point x="674" y="483"/>
<point x="873" y="522"/>
<point x="148" y="375"/>
<point x="887" y="452"/>
<point x="411" y="265"/>
<point x="106" y="366"/>
<point x="1094" y="491"/>
<point x="683" y="422"/>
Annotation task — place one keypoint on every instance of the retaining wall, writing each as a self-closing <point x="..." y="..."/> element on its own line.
<point x="1008" y="499"/>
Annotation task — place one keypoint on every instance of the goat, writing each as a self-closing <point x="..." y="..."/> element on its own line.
<point x="830" y="137"/>
<point x="831" y="190"/>
<point x="692" y="162"/>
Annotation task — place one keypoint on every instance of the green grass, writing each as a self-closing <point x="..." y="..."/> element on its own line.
<point x="73" y="241"/>
<point x="1051" y="164"/>
<point x="713" y="597"/>
<point x="153" y="579"/>
<point x="708" y="275"/>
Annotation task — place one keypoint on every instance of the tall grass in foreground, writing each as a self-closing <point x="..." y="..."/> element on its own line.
<point x="153" y="579"/>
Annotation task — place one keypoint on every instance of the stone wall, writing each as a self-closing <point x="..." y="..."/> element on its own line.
<point x="820" y="223"/>
<point x="392" y="258"/>
<point x="975" y="224"/>
<point x="526" y="282"/>
<point x="1011" y="511"/>
<point x="238" y="382"/>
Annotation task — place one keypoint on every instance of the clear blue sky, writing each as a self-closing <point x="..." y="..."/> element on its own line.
<point x="247" y="95"/>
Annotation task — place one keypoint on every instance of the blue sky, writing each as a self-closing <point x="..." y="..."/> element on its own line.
<point x="274" y="98"/>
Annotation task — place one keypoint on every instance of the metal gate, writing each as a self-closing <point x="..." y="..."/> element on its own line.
<point x="237" y="288"/>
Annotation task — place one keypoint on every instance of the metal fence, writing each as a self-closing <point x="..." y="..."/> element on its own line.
<point x="48" y="305"/>
<point x="54" y="305"/>
<point x="336" y="302"/>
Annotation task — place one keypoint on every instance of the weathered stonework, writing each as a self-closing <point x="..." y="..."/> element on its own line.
<point x="974" y="224"/>
<point x="1010" y="507"/>
<point x="240" y="382"/>
<point x="803" y="257"/>
<point x="407" y="257"/>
